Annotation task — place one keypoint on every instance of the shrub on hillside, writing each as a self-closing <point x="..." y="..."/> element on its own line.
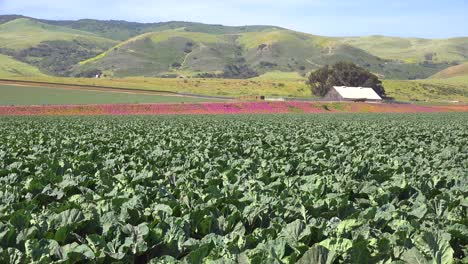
<point x="238" y="71"/>
<point x="90" y="73"/>
<point x="58" y="57"/>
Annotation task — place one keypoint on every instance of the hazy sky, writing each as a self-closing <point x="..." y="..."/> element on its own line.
<point x="420" y="18"/>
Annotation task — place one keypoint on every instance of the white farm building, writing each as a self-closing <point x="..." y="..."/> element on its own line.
<point x="344" y="93"/>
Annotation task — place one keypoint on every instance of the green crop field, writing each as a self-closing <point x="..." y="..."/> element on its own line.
<point x="273" y="84"/>
<point x="221" y="87"/>
<point x="21" y="95"/>
<point x="234" y="189"/>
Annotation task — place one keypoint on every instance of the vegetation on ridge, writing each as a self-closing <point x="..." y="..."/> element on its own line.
<point x="122" y="49"/>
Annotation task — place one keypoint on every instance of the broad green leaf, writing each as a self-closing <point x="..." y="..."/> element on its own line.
<point x="39" y="249"/>
<point x="318" y="255"/>
<point x="197" y="256"/>
<point x="347" y="225"/>
<point x="419" y="210"/>
<point x="68" y="217"/>
<point x="295" y="231"/>
<point x="414" y="256"/>
<point x="439" y="246"/>
<point x="338" y="245"/>
<point x="77" y="253"/>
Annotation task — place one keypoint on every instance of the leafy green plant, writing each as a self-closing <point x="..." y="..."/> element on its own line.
<point x="234" y="189"/>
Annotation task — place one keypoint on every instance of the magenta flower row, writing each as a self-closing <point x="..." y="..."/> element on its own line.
<point x="221" y="108"/>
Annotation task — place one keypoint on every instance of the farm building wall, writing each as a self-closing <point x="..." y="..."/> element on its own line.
<point x="271" y="99"/>
<point x="333" y="95"/>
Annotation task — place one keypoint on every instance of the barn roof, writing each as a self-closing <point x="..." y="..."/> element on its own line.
<point x="357" y="93"/>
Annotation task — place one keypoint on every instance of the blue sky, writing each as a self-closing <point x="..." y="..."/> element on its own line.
<point x="418" y="18"/>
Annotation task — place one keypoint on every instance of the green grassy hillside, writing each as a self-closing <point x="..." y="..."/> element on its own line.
<point x="413" y="50"/>
<point x="454" y="71"/>
<point x="171" y="49"/>
<point x="7" y="18"/>
<point x="430" y="90"/>
<point x="52" y="49"/>
<point x="152" y="54"/>
<point x="123" y="30"/>
<point x="10" y="67"/>
<point x="459" y="81"/>
<point x="24" y="33"/>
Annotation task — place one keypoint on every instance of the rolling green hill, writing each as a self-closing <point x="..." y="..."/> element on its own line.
<point x="291" y="51"/>
<point x="171" y="49"/>
<point x="53" y="49"/>
<point x="24" y="33"/>
<point x="413" y="50"/>
<point x="123" y="30"/>
<point x="7" y="18"/>
<point x="429" y="90"/>
<point x="151" y="54"/>
<point x="10" y="67"/>
<point x="454" y="71"/>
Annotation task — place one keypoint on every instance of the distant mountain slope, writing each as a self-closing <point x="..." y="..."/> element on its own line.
<point x="413" y="49"/>
<point x="24" y="33"/>
<point x="454" y="71"/>
<point x="123" y="30"/>
<point x="153" y="53"/>
<point x="119" y="48"/>
<point x="53" y="49"/>
<point x="7" y="18"/>
<point x="160" y="53"/>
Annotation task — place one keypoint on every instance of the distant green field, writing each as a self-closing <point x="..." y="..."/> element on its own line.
<point x="21" y="95"/>
<point x="430" y="90"/>
<point x="213" y="87"/>
<point x="271" y="84"/>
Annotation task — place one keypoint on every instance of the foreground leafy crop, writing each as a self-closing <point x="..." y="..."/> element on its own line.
<point x="238" y="189"/>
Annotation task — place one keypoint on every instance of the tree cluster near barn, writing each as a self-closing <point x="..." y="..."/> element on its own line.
<point x="234" y="189"/>
<point x="347" y="74"/>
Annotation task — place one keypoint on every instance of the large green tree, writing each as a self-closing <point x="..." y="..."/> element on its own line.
<point x="343" y="74"/>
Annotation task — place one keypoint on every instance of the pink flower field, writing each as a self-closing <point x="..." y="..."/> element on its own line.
<point x="226" y="108"/>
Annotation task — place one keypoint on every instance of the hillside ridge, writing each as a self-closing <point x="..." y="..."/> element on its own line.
<point x="454" y="71"/>
<point x="176" y="48"/>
